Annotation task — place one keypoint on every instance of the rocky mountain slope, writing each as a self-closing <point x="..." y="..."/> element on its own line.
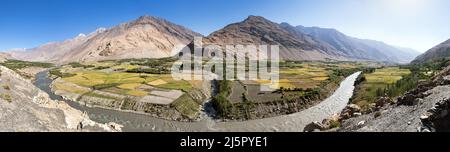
<point x="438" y="52"/>
<point x="257" y="30"/>
<point x="146" y="37"/>
<point x="357" y="48"/>
<point x="26" y="108"/>
<point x="4" y="57"/>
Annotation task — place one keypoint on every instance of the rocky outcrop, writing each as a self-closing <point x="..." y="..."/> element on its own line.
<point x="351" y="110"/>
<point x="436" y="118"/>
<point x="4" y="57"/>
<point x="326" y="124"/>
<point x="26" y="108"/>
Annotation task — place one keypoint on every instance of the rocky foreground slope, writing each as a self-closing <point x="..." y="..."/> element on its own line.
<point x="423" y="109"/>
<point x="25" y="108"/>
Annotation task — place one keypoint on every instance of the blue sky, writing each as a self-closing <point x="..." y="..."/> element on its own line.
<point x="418" y="24"/>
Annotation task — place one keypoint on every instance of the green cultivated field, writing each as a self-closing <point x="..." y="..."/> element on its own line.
<point x="376" y="82"/>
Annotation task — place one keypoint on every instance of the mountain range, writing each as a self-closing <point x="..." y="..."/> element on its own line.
<point x="153" y="37"/>
<point x="359" y="48"/>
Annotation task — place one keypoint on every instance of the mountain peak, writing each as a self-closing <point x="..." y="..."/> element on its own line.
<point x="285" y="24"/>
<point x="253" y="18"/>
<point x="147" y="19"/>
<point x="81" y="35"/>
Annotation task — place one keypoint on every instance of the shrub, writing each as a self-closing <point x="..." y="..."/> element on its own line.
<point x="78" y="65"/>
<point x="58" y="73"/>
<point x="6" y="97"/>
<point x="335" y="124"/>
<point x="101" y="67"/>
<point x="377" y="114"/>
<point x="160" y="70"/>
<point x="17" y="64"/>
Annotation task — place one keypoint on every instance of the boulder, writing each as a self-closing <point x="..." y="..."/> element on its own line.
<point x="383" y="101"/>
<point x="350" y="111"/>
<point x="314" y="126"/>
<point x="354" y="108"/>
<point x="326" y="124"/>
<point x="357" y="114"/>
<point x="446" y="80"/>
<point x="407" y="99"/>
<point x="361" y="123"/>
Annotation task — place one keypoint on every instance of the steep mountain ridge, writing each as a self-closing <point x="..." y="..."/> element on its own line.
<point x="357" y="48"/>
<point x="146" y="37"/>
<point x="257" y="30"/>
<point x="438" y="52"/>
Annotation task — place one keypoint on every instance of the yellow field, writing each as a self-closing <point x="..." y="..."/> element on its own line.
<point x="125" y="66"/>
<point x="320" y="78"/>
<point x="68" y="88"/>
<point x="127" y="81"/>
<point x="306" y="75"/>
<point x="130" y="86"/>
<point x="386" y="75"/>
<point x="137" y="93"/>
<point x="157" y="82"/>
<point x="92" y="78"/>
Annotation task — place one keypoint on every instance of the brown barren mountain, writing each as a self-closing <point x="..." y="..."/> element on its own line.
<point x="146" y="37"/>
<point x="257" y="30"/>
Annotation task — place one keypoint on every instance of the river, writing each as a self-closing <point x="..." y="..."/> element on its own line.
<point x="288" y="123"/>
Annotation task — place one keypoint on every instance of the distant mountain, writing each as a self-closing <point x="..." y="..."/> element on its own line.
<point x="438" y="52"/>
<point x="54" y="51"/>
<point x="357" y="48"/>
<point x="396" y="54"/>
<point x="146" y="37"/>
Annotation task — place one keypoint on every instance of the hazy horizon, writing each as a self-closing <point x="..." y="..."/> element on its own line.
<point x="412" y="24"/>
